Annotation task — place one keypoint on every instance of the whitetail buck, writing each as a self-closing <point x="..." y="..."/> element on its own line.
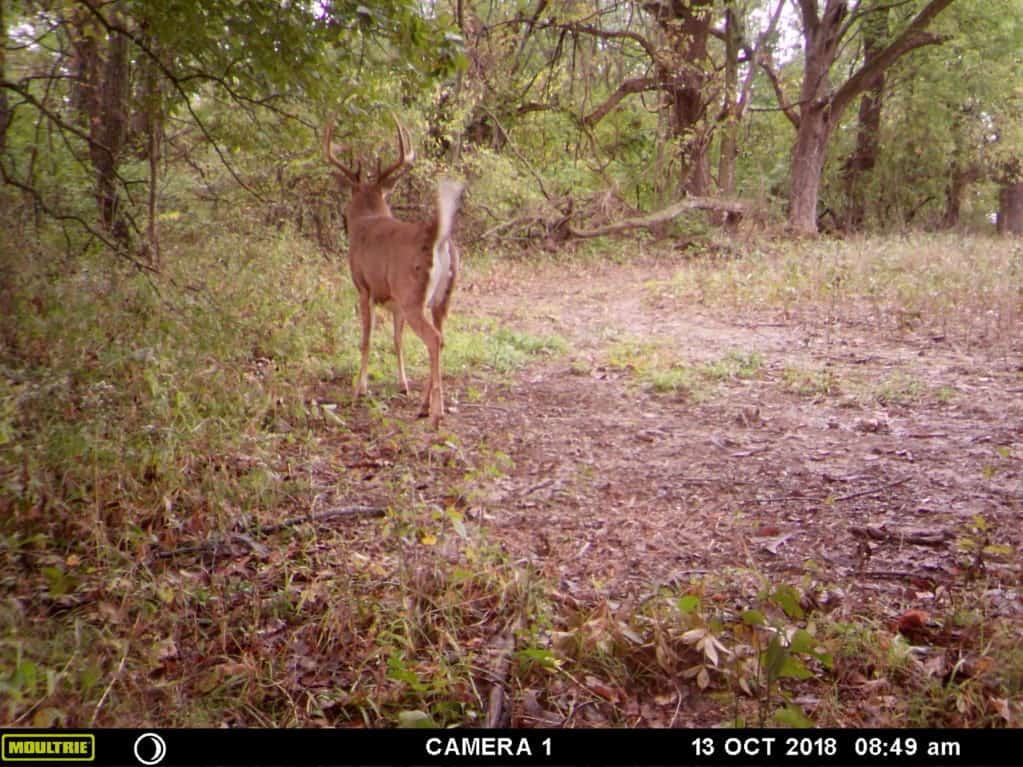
<point x="409" y="267"/>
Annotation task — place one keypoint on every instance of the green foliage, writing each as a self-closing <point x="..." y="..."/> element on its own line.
<point x="953" y="107"/>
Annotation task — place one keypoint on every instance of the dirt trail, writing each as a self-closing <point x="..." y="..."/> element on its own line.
<point x="616" y="486"/>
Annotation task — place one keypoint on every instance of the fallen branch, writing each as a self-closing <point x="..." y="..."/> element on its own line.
<point x="900" y="575"/>
<point x="241" y="536"/>
<point x="818" y="499"/>
<point x="667" y="214"/>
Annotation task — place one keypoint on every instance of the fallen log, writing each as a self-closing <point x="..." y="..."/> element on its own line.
<point x="733" y="207"/>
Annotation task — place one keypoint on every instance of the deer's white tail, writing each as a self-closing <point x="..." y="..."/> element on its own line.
<point x="448" y="192"/>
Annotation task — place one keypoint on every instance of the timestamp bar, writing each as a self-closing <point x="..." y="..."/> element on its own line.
<point x="697" y="748"/>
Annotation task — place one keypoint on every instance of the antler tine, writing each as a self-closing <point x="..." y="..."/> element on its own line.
<point x="331" y="158"/>
<point x="406" y="155"/>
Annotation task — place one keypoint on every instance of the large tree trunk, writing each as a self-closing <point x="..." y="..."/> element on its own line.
<point x="807" y="166"/>
<point x="687" y="23"/>
<point x="107" y="133"/>
<point x="821" y="36"/>
<point x="99" y="96"/>
<point x="1010" y="209"/>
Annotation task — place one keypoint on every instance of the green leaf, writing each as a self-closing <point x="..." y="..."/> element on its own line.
<point x="803" y="642"/>
<point x="538" y="656"/>
<point x="774" y="658"/>
<point x="787" y="598"/>
<point x="754" y="618"/>
<point x="57" y="581"/>
<point x="793" y="668"/>
<point x="687" y="604"/>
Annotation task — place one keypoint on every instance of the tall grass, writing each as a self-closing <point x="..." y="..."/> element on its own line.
<point x="960" y="285"/>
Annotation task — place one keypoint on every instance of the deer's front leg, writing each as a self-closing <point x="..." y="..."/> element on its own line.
<point x="366" y="315"/>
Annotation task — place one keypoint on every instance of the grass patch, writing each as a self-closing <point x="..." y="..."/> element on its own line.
<point x="899" y="389"/>
<point x="655" y="364"/>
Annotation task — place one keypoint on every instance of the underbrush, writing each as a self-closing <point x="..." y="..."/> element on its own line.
<point x="143" y="415"/>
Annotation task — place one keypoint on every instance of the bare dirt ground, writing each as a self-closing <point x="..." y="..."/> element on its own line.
<point x="873" y="489"/>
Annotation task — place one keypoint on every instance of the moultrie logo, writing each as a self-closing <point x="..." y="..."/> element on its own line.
<point x="48" y="747"/>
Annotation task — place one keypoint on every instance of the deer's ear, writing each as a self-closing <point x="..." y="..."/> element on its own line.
<point x="345" y="183"/>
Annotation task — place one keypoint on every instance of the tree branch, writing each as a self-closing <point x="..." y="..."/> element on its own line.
<point x="649" y="47"/>
<point x="912" y="37"/>
<point x="779" y="93"/>
<point x="175" y="81"/>
<point x="60" y="216"/>
<point x="636" y="85"/>
<point x="756" y="55"/>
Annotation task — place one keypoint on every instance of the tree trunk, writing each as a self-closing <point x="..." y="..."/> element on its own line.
<point x="730" y="132"/>
<point x="686" y="24"/>
<point x="107" y="134"/>
<point x="863" y="159"/>
<point x="5" y="111"/>
<point x="807" y="166"/>
<point x="1010" y="209"/>
<point x="959" y="182"/>
<point x="85" y="66"/>
<point x="821" y="39"/>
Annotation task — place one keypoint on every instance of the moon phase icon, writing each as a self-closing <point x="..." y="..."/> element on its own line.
<point x="150" y="748"/>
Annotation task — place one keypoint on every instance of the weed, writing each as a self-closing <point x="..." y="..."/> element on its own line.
<point x="818" y="382"/>
<point x="898" y="389"/>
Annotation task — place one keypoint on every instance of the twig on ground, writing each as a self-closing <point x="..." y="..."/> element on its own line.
<point x="498" y="711"/>
<point x="255" y="527"/>
<point x="874" y="490"/>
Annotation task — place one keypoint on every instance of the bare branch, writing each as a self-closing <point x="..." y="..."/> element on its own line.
<point x="649" y="47"/>
<point x="61" y="216"/>
<point x="779" y="92"/>
<point x="636" y="85"/>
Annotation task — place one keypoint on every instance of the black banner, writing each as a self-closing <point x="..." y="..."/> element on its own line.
<point x="278" y="748"/>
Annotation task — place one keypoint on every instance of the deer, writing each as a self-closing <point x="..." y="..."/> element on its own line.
<point x="407" y="267"/>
